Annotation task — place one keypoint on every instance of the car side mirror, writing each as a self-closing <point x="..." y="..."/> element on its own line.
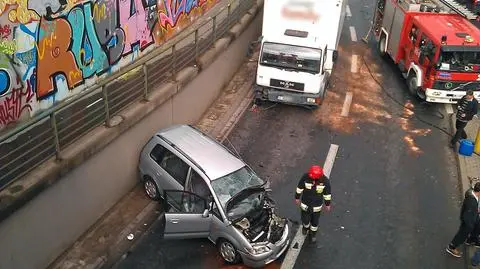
<point x="206" y="213"/>
<point x="335" y="55"/>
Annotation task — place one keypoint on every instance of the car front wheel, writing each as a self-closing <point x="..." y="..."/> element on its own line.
<point x="228" y="252"/>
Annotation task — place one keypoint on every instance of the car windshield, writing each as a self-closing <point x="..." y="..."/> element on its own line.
<point x="250" y="202"/>
<point x="459" y="61"/>
<point x="228" y="186"/>
<point x="291" y="57"/>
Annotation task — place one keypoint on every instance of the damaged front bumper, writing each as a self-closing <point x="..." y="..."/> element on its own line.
<point x="275" y="250"/>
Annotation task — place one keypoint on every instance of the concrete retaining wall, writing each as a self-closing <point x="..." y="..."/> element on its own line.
<point x="38" y="232"/>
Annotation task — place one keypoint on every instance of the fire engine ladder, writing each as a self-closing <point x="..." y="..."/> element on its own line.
<point x="459" y="9"/>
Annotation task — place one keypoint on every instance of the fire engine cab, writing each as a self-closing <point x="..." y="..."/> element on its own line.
<point x="438" y="53"/>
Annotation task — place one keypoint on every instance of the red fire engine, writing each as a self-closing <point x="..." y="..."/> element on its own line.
<point x="438" y="53"/>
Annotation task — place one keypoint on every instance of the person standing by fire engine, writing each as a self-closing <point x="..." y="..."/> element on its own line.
<point x="467" y="108"/>
<point x="313" y="191"/>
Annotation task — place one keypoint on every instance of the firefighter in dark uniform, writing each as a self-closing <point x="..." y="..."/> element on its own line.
<point x="313" y="191"/>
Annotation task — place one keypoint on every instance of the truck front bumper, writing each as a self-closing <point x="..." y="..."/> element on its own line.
<point x="288" y="97"/>
<point x="446" y="97"/>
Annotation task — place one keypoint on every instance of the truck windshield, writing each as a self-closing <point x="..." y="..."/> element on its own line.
<point x="465" y="61"/>
<point x="291" y="57"/>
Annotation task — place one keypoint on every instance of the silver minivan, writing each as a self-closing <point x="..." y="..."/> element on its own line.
<point x="209" y="192"/>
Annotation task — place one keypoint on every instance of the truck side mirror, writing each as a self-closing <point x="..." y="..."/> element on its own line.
<point x="335" y="55"/>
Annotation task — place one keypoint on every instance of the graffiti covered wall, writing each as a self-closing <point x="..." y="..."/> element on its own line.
<point x="53" y="49"/>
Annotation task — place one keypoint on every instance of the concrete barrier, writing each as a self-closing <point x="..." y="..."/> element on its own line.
<point x="37" y="233"/>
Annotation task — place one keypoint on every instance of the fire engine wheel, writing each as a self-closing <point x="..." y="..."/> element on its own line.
<point x="413" y="88"/>
<point x="382" y="46"/>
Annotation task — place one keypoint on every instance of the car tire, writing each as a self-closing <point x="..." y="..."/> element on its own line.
<point x="228" y="252"/>
<point x="151" y="189"/>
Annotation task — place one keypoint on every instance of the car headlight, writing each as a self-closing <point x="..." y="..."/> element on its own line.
<point x="436" y="93"/>
<point x="259" y="249"/>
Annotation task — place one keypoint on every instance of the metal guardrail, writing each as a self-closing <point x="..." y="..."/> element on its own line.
<point x="27" y="146"/>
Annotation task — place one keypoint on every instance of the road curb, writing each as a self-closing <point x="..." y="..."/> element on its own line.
<point x="98" y="263"/>
<point x="148" y="216"/>
<point x="462" y="177"/>
<point x="236" y="115"/>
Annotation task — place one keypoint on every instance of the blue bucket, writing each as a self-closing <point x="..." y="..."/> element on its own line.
<point x="466" y="147"/>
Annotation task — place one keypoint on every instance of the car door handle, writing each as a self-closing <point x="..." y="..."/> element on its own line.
<point x="174" y="221"/>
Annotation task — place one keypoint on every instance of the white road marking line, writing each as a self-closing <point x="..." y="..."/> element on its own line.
<point x="346" y="104"/>
<point x="332" y="154"/>
<point x="299" y="239"/>
<point x="449" y="108"/>
<point x="349" y="12"/>
<point x="353" y="67"/>
<point x="353" y="34"/>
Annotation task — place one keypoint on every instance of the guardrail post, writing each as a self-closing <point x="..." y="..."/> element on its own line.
<point x="174" y="61"/>
<point x="214" y="28"/>
<point x="105" y="103"/>
<point x="53" y="123"/>
<point x="196" y="43"/>
<point x="145" y="82"/>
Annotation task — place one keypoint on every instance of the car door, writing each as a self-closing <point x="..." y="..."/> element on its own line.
<point x="196" y="184"/>
<point x="170" y="170"/>
<point x="186" y="215"/>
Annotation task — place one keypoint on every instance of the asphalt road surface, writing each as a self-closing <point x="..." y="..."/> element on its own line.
<point x="395" y="187"/>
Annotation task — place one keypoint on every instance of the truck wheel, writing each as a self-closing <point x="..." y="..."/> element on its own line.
<point x="258" y="101"/>
<point x="412" y="84"/>
<point x="382" y="46"/>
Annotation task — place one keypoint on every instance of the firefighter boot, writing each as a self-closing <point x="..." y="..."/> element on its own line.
<point x="313" y="237"/>
<point x="304" y="230"/>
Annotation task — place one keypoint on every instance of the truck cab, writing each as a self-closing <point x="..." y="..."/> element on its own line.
<point x="298" y="49"/>
<point x="437" y="52"/>
<point x="448" y="59"/>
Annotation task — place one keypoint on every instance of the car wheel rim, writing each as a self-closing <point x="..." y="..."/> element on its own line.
<point x="227" y="251"/>
<point x="150" y="189"/>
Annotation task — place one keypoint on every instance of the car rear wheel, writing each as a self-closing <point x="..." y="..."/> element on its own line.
<point x="151" y="189"/>
<point x="228" y="252"/>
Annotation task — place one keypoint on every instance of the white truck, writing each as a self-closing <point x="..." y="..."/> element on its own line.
<point x="298" y="50"/>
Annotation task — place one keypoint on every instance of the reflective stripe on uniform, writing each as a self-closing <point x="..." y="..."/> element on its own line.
<point x="299" y="191"/>
<point x="320" y="189"/>
<point x="308" y="186"/>
<point x="317" y="208"/>
<point x="327" y="197"/>
<point x="303" y="206"/>
<point x="313" y="228"/>
<point x="306" y="225"/>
